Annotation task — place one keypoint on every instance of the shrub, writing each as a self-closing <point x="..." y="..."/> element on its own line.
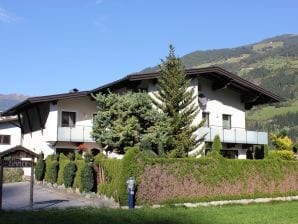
<point x="216" y="147"/>
<point x="40" y="169"/>
<point x="286" y="155"/>
<point x="48" y="161"/>
<point x="63" y="161"/>
<point x="13" y="175"/>
<point x="69" y="174"/>
<point x="77" y="183"/>
<point x="87" y="178"/>
<point x="53" y="171"/>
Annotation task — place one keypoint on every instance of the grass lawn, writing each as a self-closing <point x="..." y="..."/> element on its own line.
<point x="279" y="213"/>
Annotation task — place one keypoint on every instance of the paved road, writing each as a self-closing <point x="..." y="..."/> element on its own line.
<point x="16" y="197"/>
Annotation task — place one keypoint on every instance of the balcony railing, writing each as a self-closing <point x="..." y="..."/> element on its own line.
<point x="75" y="134"/>
<point x="234" y="135"/>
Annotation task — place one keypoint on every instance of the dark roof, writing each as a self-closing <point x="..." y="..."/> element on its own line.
<point x="17" y="150"/>
<point x="218" y="75"/>
<point x="213" y="72"/>
<point x="40" y="99"/>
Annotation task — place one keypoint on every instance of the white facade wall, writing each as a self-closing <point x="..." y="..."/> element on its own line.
<point x="7" y="128"/>
<point x="46" y="140"/>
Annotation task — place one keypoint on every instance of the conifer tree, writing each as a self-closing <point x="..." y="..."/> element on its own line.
<point x="177" y="100"/>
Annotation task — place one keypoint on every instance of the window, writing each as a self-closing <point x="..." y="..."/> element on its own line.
<point x="68" y="119"/>
<point x="205" y="116"/>
<point x="226" y="121"/>
<point x="4" y="139"/>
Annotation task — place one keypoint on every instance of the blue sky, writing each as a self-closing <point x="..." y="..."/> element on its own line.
<point x="52" y="46"/>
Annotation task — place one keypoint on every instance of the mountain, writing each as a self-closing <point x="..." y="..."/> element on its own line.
<point x="7" y="101"/>
<point x="272" y="64"/>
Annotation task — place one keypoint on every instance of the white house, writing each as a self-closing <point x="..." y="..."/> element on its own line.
<point x="60" y="123"/>
<point x="10" y="133"/>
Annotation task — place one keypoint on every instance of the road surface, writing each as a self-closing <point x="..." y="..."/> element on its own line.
<point x="16" y="196"/>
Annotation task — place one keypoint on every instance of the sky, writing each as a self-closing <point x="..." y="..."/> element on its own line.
<point x="53" y="46"/>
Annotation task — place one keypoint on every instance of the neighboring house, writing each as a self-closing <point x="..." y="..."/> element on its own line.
<point x="10" y="133"/>
<point x="60" y="123"/>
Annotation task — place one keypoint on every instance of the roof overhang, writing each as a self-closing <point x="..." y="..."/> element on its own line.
<point x="30" y="102"/>
<point x="19" y="151"/>
<point x="221" y="78"/>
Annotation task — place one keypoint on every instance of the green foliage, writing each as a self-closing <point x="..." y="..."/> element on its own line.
<point x="77" y="183"/>
<point x="87" y="178"/>
<point x="216" y="147"/>
<point x="117" y="173"/>
<point x="52" y="171"/>
<point x="69" y="174"/>
<point x="281" y="142"/>
<point x="51" y="168"/>
<point x="122" y="120"/>
<point x="178" y="103"/>
<point x="283" y="154"/>
<point x="98" y="158"/>
<point x="13" y="175"/>
<point x="88" y="157"/>
<point x="63" y="161"/>
<point x="40" y="169"/>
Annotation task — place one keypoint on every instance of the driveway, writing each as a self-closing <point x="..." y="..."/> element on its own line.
<point x="16" y="197"/>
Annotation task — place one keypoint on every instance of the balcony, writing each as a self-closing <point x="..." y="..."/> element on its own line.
<point x="75" y="134"/>
<point x="234" y="135"/>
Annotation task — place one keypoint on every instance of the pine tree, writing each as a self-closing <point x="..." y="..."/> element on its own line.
<point x="177" y="101"/>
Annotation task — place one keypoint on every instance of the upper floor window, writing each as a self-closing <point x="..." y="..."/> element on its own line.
<point x="68" y="119"/>
<point x="226" y="121"/>
<point x="4" y="139"/>
<point x="205" y="116"/>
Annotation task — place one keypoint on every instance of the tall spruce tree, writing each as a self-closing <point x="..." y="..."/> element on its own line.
<point x="177" y="100"/>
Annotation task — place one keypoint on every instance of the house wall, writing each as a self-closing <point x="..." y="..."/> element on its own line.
<point x="43" y="140"/>
<point x="7" y="128"/>
<point x="84" y="108"/>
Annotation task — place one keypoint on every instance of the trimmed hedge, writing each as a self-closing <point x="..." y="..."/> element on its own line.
<point x="63" y="161"/>
<point x="161" y="180"/>
<point x="40" y="169"/>
<point x="69" y="173"/>
<point x="52" y="168"/>
<point x="77" y="183"/>
<point x="87" y="178"/>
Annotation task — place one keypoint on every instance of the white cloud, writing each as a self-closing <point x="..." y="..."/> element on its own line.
<point x="6" y="17"/>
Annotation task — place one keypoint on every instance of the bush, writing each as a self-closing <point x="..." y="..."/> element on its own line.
<point x="40" y="169"/>
<point x="13" y="175"/>
<point x="284" y="155"/>
<point x="53" y="171"/>
<point x="87" y="178"/>
<point x="77" y="183"/>
<point x="63" y="161"/>
<point x="69" y="174"/>
<point x="48" y="161"/>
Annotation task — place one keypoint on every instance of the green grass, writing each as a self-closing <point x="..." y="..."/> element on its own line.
<point x="269" y="112"/>
<point x="273" y="213"/>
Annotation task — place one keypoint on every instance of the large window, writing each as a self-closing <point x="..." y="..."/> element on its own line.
<point x="68" y="119"/>
<point x="226" y="121"/>
<point x="205" y="116"/>
<point x="4" y="139"/>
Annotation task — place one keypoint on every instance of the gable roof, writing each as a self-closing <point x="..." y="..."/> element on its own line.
<point x="18" y="150"/>
<point x="218" y="75"/>
<point x="42" y="99"/>
<point x="221" y="78"/>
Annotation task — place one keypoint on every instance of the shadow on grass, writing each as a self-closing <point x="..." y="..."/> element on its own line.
<point x="102" y="216"/>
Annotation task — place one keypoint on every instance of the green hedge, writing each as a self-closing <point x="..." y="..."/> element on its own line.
<point x="63" y="161"/>
<point x="69" y="174"/>
<point x="51" y="168"/>
<point x="209" y="173"/>
<point x="77" y="183"/>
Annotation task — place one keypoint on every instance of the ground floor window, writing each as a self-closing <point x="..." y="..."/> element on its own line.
<point x="65" y="151"/>
<point x="230" y="154"/>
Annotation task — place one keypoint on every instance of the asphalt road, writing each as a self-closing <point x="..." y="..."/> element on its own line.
<point x="16" y="196"/>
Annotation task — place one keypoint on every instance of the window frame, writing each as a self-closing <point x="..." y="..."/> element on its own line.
<point x="75" y="119"/>
<point x="2" y="139"/>
<point x="230" y="121"/>
<point x="207" y="121"/>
